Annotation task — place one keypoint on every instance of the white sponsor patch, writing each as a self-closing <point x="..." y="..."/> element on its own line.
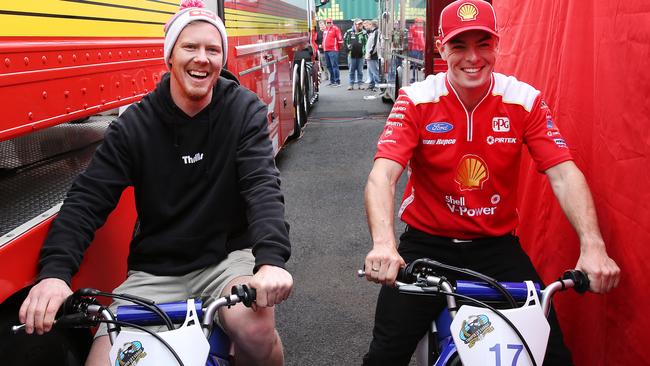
<point x="384" y="141"/>
<point x="500" y="124"/>
<point x="394" y="124"/>
<point x="396" y="116"/>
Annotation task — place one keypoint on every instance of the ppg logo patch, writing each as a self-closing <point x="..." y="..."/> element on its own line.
<point x="500" y="124"/>
<point x="439" y="127"/>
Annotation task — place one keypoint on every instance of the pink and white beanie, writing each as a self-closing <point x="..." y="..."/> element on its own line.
<point x="192" y="10"/>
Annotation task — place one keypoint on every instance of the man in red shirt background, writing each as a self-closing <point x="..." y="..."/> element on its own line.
<point x="416" y="44"/>
<point x="332" y="40"/>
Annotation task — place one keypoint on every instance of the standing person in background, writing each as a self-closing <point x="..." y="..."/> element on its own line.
<point x="372" y="56"/>
<point x="321" y="54"/>
<point x="332" y="40"/>
<point x="355" y="42"/>
<point x="416" y="45"/>
<point x="460" y="201"/>
<point x="366" y="27"/>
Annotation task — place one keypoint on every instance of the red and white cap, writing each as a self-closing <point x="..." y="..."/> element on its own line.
<point x="464" y="15"/>
<point x="192" y="10"/>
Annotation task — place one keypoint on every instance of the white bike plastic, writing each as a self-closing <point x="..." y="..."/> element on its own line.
<point x="143" y="349"/>
<point x="483" y="338"/>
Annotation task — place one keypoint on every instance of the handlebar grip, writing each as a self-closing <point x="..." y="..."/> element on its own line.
<point x="580" y="280"/>
<point x="246" y="294"/>
<point x="403" y="275"/>
<point x="74" y="321"/>
<point x="74" y="303"/>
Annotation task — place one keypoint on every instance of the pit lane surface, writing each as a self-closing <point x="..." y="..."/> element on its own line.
<point x="328" y="319"/>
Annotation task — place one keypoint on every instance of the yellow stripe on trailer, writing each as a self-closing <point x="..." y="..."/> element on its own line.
<point x="58" y="18"/>
<point x="246" y="23"/>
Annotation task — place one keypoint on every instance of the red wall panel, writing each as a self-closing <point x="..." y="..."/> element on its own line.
<point x="590" y="60"/>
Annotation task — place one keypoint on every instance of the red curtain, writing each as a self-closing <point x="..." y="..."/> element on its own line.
<point x="590" y="60"/>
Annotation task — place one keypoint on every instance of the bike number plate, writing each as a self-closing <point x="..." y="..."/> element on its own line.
<point x="136" y="348"/>
<point x="483" y="338"/>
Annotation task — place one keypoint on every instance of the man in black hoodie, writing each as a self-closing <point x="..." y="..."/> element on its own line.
<point x="197" y="152"/>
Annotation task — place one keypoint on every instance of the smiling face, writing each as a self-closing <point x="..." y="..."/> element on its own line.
<point x="196" y="62"/>
<point x="470" y="60"/>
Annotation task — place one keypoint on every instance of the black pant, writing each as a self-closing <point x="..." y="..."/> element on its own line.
<point x="402" y="320"/>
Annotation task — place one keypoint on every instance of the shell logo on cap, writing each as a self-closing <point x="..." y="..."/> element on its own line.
<point x="467" y="12"/>
<point x="471" y="173"/>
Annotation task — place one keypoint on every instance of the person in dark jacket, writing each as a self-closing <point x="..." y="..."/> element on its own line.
<point x="211" y="213"/>
<point x="355" y="42"/>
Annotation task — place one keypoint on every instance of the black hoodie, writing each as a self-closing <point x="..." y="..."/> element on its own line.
<point x="204" y="186"/>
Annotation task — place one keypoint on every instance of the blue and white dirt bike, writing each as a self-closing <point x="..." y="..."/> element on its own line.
<point x="470" y="331"/>
<point x="196" y="342"/>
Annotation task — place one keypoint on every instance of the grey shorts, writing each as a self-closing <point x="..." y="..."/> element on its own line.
<point x="207" y="283"/>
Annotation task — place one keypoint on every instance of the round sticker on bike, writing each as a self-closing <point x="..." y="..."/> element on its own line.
<point x="474" y="329"/>
<point x="130" y="353"/>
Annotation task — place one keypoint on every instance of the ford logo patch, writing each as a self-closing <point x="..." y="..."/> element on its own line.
<point x="439" y="127"/>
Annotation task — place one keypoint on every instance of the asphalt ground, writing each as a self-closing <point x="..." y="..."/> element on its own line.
<point x="328" y="319"/>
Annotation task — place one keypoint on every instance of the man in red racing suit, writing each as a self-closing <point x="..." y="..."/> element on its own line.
<point x="461" y="134"/>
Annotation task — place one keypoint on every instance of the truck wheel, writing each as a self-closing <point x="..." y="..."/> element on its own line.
<point x="300" y="115"/>
<point x="306" y="88"/>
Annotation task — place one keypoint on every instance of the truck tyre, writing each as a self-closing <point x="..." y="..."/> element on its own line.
<point x="300" y="115"/>
<point x="306" y="91"/>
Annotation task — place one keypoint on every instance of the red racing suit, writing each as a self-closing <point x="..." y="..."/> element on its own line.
<point x="416" y="37"/>
<point x="463" y="166"/>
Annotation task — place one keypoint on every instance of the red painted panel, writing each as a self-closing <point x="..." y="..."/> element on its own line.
<point x="45" y="81"/>
<point x="103" y="267"/>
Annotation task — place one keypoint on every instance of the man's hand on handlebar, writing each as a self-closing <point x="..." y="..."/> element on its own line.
<point x="382" y="264"/>
<point x="603" y="272"/>
<point x="273" y="285"/>
<point x="43" y="301"/>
